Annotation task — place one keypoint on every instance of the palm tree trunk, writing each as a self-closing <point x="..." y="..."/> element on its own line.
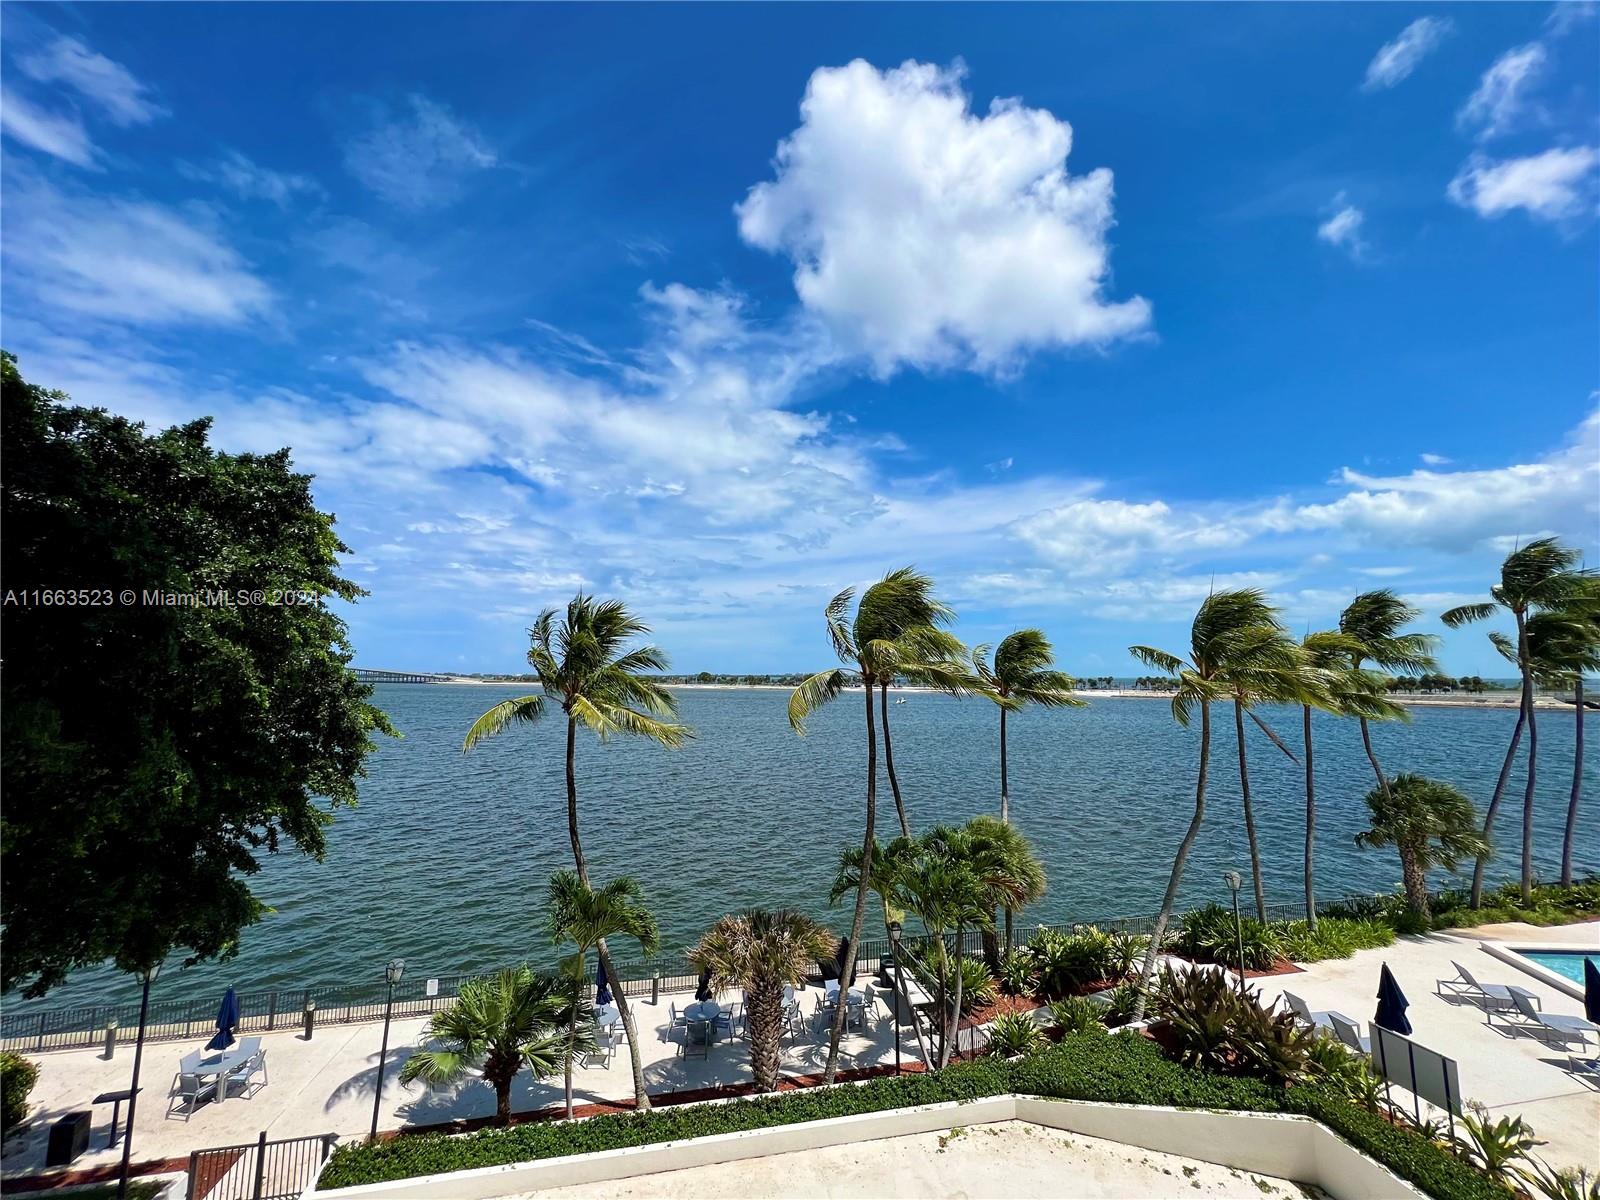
<point x="862" y="888"/>
<point x="1415" y="880"/>
<point x="1249" y="815"/>
<point x="763" y="1014"/>
<point x="1311" y="823"/>
<point x="1504" y="776"/>
<point x="953" y="1040"/>
<point x="502" y="1101"/>
<point x="1366" y="741"/>
<point x="1005" y="790"/>
<point x="888" y="761"/>
<point x="1527" y="803"/>
<point x="1170" y="898"/>
<point x="1577" y="786"/>
<point x="572" y="1038"/>
<point x="641" y="1101"/>
<point x="1009" y="943"/>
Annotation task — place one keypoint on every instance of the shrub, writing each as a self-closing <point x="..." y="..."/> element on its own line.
<point x="1016" y="973"/>
<point x="1334" y="937"/>
<point x="1496" y="1146"/>
<point x="1126" y="951"/>
<point x="1209" y="934"/>
<point x="1120" y="1003"/>
<point x="978" y="987"/>
<point x="1076" y="1014"/>
<point x="17" y="1077"/>
<point x="1066" y="961"/>
<point x="1014" y="1033"/>
<point x="1215" y="1025"/>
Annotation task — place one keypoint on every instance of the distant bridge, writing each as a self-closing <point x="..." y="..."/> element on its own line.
<point x="370" y="675"/>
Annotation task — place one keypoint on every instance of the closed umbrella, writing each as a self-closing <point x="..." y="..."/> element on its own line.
<point x="1392" y="1004"/>
<point x="602" y="986"/>
<point x="1591" y="990"/>
<point x="227" y="1019"/>
<point x="703" y="992"/>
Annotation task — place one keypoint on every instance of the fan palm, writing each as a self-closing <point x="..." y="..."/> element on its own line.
<point x="584" y="665"/>
<point x="1023" y="673"/>
<point x="1336" y="685"/>
<point x="874" y="644"/>
<point x="497" y="1025"/>
<point x="1225" y="628"/>
<point x="1430" y="823"/>
<point x="584" y="917"/>
<point x="1373" y="621"/>
<point x="762" y="952"/>
<point x="1565" y="645"/>
<point x="1541" y="576"/>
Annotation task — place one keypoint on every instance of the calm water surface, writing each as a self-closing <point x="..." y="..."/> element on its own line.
<point x="444" y="862"/>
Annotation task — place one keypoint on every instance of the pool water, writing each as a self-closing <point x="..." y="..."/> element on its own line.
<point x="1567" y="963"/>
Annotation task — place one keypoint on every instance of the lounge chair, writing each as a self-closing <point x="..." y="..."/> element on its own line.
<point x="1317" y="1020"/>
<point x="1587" y="1069"/>
<point x="1551" y="1027"/>
<point x="1465" y="984"/>
<point x="1348" y="1032"/>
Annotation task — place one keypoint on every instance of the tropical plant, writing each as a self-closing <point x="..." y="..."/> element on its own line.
<point x="498" y="1025"/>
<point x="1065" y="962"/>
<point x="1495" y="1145"/>
<point x="584" y="665"/>
<point x="1371" y="623"/>
<point x="1014" y="1033"/>
<point x="1230" y="628"/>
<point x="928" y="657"/>
<point x="1003" y="860"/>
<point x="1023" y="673"/>
<point x="947" y="895"/>
<point x="1124" y="950"/>
<point x="1122" y="1004"/>
<point x="874" y="645"/>
<point x="17" y="1077"/>
<point x="762" y="952"/>
<point x="1565" y="645"/>
<point x="1210" y="934"/>
<point x="1350" y="1075"/>
<point x="1430" y="823"/>
<point x="1214" y="1025"/>
<point x="1541" y="576"/>
<point x="978" y="987"/>
<point x="584" y="917"/>
<point x="1016" y="973"/>
<point x="1571" y="1183"/>
<point x="1075" y="1014"/>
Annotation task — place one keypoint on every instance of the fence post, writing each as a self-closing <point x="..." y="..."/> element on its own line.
<point x="655" y="987"/>
<point x="194" y="1173"/>
<point x="42" y="1017"/>
<point x="111" y="1038"/>
<point x="272" y="1009"/>
<point x="261" y="1163"/>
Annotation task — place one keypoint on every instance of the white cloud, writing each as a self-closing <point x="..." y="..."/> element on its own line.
<point x="1384" y="572"/>
<point x="109" y="84"/>
<point x="59" y="134"/>
<point x="1557" y="185"/>
<point x="1397" y="59"/>
<point x="126" y="260"/>
<point x="924" y="234"/>
<point x="1567" y="15"/>
<point x="417" y="159"/>
<point x="1499" y="102"/>
<point x="1343" y="230"/>
<point x="1106" y="537"/>
<point x="1434" y="460"/>
<point x="249" y="180"/>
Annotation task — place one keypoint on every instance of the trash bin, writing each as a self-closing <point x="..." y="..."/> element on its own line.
<point x="69" y="1137"/>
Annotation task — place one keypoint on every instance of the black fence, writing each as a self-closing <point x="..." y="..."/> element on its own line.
<point x="338" y="1004"/>
<point x="258" y="1170"/>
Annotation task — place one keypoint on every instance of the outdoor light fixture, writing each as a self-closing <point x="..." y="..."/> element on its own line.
<point x="1231" y="878"/>
<point x="391" y="974"/>
<point x="899" y="987"/>
<point x="150" y="974"/>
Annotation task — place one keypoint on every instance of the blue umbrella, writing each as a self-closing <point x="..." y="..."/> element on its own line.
<point x="227" y="1018"/>
<point x="1392" y="1004"/>
<point x="1591" y="990"/>
<point x="602" y="986"/>
<point x="703" y="992"/>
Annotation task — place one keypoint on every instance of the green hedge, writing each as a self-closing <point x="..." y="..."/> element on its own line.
<point x="1124" y="1069"/>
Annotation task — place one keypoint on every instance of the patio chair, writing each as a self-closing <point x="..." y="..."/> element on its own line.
<point x="247" y="1075"/>
<point x="1318" y="1019"/>
<point x="695" y="1040"/>
<point x="605" y="1048"/>
<point x="1348" y="1032"/>
<point x="727" y="1014"/>
<point x="1466" y="985"/>
<point x="189" y="1089"/>
<point x="822" y="1014"/>
<point x="793" y="1021"/>
<point x="1551" y="1027"/>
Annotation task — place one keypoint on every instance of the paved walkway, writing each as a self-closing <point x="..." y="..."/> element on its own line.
<point x="1511" y="1072"/>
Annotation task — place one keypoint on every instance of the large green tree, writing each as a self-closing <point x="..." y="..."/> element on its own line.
<point x="176" y="693"/>
<point x="1023" y="673"/>
<point x="1429" y="823"/>
<point x="1565" y="646"/>
<point x="1374" y="622"/>
<point x="585" y="665"/>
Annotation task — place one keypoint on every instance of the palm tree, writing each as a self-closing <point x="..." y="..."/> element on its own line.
<point x="1225" y="628"/>
<point x="585" y="917"/>
<point x="762" y="952"/>
<point x="874" y="644"/>
<point x="1430" y="823"/>
<point x="1565" y="645"/>
<point x="584" y="665"/>
<point x="1541" y="576"/>
<point x="946" y="893"/>
<point x="497" y="1025"/>
<point x="1334" y="684"/>
<point x="1373" y="620"/>
<point x="1003" y="859"/>
<point x="1023" y="673"/>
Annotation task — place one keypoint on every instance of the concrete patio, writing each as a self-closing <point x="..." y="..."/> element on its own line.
<point x="326" y="1085"/>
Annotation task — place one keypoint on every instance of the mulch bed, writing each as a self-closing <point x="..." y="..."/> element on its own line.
<point x="1002" y="1004"/>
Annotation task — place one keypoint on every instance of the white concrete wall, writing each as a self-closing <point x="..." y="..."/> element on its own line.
<point x="1290" y="1147"/>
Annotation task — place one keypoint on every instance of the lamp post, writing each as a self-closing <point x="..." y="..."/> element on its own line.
<point x="1231" y="878"/>
<point x="133" y="1089"/>
<point x="899" y="988"/>
<point x="392" y="974"/>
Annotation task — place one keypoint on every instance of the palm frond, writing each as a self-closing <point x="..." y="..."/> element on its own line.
<point x="525" y="709"/>
<point x="1465" y="614"/>
<point x="812" y="694"/>
<point x="1169" y="664"/>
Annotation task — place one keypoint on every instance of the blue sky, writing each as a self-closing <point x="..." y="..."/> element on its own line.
<point x="1083" y="309"/>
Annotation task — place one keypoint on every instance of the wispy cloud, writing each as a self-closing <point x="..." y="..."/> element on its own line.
<point x="1500" y="103"/>
<point x="1434" y="460"/>
<point x="1344" y="230"/>
<point x="1397" y="59"/>
<point x="249" y="180"/>
<point x="1555" y="186"/>
<point x="58" y="134"/>
<point x="110" y="85"/>
<point x="417" y="158"/>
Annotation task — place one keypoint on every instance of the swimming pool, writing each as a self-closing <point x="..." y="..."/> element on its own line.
<point x="1560" y="967"/>
<point x="1566" y="963"/>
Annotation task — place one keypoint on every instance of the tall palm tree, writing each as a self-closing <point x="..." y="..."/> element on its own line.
<point x="1565" y="645"/>
<point x="945" y="891"/>
<point x="1023" y="673"/>
<point x="874" y="645"/>
<point x="1373" y="620"/>
<point x="1541" y="576"/>
<point x="1335" y="684"/>
<point x="1226" y="627"/>
<point x="762" y="952"/>
<point x="585" y="917"/>
<point x="498" y="1025"/>
<point x="584" y="665"/>
<point x="1430" y="823"/>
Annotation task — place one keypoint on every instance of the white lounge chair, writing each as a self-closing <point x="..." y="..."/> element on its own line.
<point x="1551" y="1027"/>
<point x="1317" y="1020"/>
<point x="1348" y="1032"/>
<point x="1465" y="984"/>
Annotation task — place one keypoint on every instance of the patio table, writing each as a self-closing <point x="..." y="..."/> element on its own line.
<point x="221" y="1066"/>
<point x="607" y="1015"/>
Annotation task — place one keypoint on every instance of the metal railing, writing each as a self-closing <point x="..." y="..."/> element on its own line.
<point x="258" y="1170"/>
<point x="339" y="1004"/>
